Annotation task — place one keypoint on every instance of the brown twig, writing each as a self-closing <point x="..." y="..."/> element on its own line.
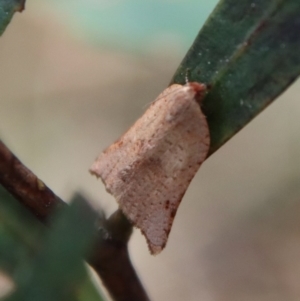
<point x="26" y="187"/>
<point x="110" y="257"/>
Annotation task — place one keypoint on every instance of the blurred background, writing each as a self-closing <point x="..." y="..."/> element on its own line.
<point x="74" y="75"/>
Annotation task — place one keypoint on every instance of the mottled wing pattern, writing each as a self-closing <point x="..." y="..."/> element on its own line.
<point x="148" y="170"/>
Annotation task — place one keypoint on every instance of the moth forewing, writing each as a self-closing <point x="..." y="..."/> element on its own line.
<point x="148" y="170"/>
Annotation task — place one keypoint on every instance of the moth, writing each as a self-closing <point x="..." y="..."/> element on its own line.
<point x="149" y="168"/>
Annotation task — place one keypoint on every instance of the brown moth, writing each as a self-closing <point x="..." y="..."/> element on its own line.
<point x="148" y="170"/>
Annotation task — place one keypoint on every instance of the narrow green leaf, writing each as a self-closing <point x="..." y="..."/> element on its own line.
<point x="47" y="264"/>
<point x="88" y="292"/>
<point x="248" y="52"/>
<point x="20" y="235"/>
<point x="58" y="271"/>
<point x="7" y="10"/>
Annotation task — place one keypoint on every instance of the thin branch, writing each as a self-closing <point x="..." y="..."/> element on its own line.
<point x="110" y="257"/>
<point x="26" y="187"/>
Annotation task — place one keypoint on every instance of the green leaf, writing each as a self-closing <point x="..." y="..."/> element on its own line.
<point x="88" y="292"/>
<point x="7" y="10"/>
<point x="47" y="264"/>
<point x="248" y="52"/>
<point x="20" y="235"/>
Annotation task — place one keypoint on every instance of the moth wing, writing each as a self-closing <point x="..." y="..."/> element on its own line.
<point x="148" y="170"/>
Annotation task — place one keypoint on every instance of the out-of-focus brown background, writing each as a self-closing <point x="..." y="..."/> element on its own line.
<point x="236" y="236"/>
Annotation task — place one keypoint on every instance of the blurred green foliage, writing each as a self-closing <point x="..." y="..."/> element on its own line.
<point x="46" y="264"/>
